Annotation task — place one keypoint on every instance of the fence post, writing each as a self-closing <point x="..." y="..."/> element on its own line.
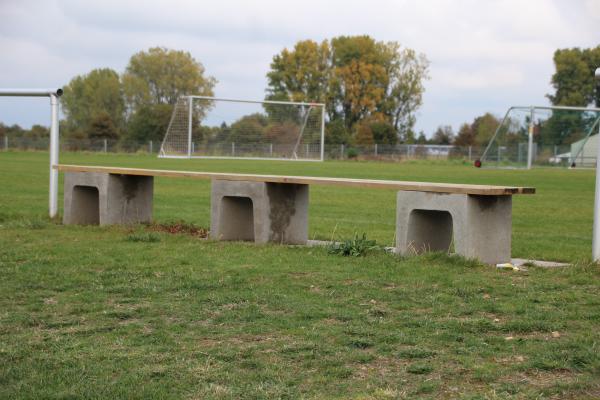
<point x="6" y="142"/>
<point x="375" y="149"/>
<point x="342" y="151"/>
<point x="470" y="153"/>
<point x="150" y="147"/>
<point x="105" y="146"/>
<point x="271" y="149"/>
<point x="233" y="149"/>
<point x="193" y="148"/>
<point x="408" y="151"/>
<point x="307" y="150"/>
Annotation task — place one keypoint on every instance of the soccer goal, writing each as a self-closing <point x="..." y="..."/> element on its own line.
<point x="210" y="127"/>
<point x="544" y="136"/>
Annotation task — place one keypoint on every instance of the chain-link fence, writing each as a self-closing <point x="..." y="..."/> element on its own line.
<point x="542" y="155"/>
<point x="332" y="151"/>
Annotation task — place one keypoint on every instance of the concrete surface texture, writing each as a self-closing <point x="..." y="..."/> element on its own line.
<point x="259" y="211"/>
<point x="107" y="199"/>
<point x="477" y="226"/>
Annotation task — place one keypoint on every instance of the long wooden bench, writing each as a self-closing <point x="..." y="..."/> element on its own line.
<point x="274" y="208"/>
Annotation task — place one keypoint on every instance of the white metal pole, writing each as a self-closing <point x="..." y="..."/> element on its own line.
<point x="190" y="100"/>
<point x="596" y="233"/>
<point x="53" y="206"/>
<point x="6" y="142"/>
<point x="53" y="94"/>
<point x="323" y="133"/>
<point x="530" y="139"/>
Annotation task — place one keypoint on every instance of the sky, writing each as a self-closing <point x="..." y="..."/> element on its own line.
<point x="485" y="55"/>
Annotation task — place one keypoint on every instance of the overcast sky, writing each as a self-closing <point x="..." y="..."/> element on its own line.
<point x="485" y="54"/>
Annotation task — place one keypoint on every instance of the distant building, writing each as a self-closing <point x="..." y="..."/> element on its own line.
<point x="585" y="157"/>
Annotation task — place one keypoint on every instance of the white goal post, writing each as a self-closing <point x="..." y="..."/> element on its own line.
<point x="561" y="137"/>
<point x="212" y="127"/>
<point x="53" y="94"/>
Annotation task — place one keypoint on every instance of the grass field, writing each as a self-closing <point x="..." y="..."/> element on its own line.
<point x="90" y="312"/>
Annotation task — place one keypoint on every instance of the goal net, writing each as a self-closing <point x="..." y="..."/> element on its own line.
<point x="544" y="136"/>
<point x="209" y="127"/>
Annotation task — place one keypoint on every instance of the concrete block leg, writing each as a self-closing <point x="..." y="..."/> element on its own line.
<point x="259" y="211"/>
<point x="478" y="226"/>
<point x="106" y="199"/>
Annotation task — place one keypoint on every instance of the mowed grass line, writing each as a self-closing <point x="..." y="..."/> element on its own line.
<point x="554" y="224"/>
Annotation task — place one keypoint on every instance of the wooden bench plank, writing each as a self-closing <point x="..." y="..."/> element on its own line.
<point x="485" y="190"/>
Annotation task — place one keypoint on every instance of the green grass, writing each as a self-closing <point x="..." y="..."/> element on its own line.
<point x="91" y="312"/>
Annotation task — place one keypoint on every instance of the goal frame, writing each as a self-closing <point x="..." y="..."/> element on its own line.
<point x="230" y="100"/>
<point x="531" y="110"/>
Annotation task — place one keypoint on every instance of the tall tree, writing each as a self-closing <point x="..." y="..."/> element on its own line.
<point x="91" y="96"/>
<point x="161" y="76"/>
<point x="573" y="79"/>
<point x="484" y="128"/>
<point x="443" y="135"/>
<point x="356" y="76"/>
<point x="152" y="83"/>
<point x="300" y="74"/>
<point x="465" y="136"/>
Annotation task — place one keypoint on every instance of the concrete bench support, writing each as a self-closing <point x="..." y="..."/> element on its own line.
<point x="259" y="211"/>
<point x="107" y="199"/>
<point x="479" y="226"/>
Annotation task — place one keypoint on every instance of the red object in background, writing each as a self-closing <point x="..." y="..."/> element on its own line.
<point x="477" y="163"/>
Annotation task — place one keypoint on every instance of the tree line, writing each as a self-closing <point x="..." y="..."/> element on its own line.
<point x="372" y="90"/>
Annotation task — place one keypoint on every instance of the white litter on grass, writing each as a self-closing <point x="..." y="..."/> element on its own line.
<point x="510" y="266"/>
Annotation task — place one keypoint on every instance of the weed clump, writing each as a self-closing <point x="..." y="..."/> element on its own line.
<point x="145" y="237"/>
<point x="355" y="247"/>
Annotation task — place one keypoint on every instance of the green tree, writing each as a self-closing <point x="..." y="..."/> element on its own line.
<point x="443" y="135"/>
<point x="336" y="132"/>
<point x="161" y="76"/>
<point x="573" y="79"/>
<point x="249" y="129"/>
<point x="422" y="139"/>
<point x="149" y="122"/>
<point x="465" y="136"/>
<point x="301" y="74"/>
<point x="37" y="132"/>
<point x="153" y="81"/>
<point x="383" y="132"/>
<point x="484" y="127"/>
<point x="87" y="96"/>
<point x="102" y="127"/>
